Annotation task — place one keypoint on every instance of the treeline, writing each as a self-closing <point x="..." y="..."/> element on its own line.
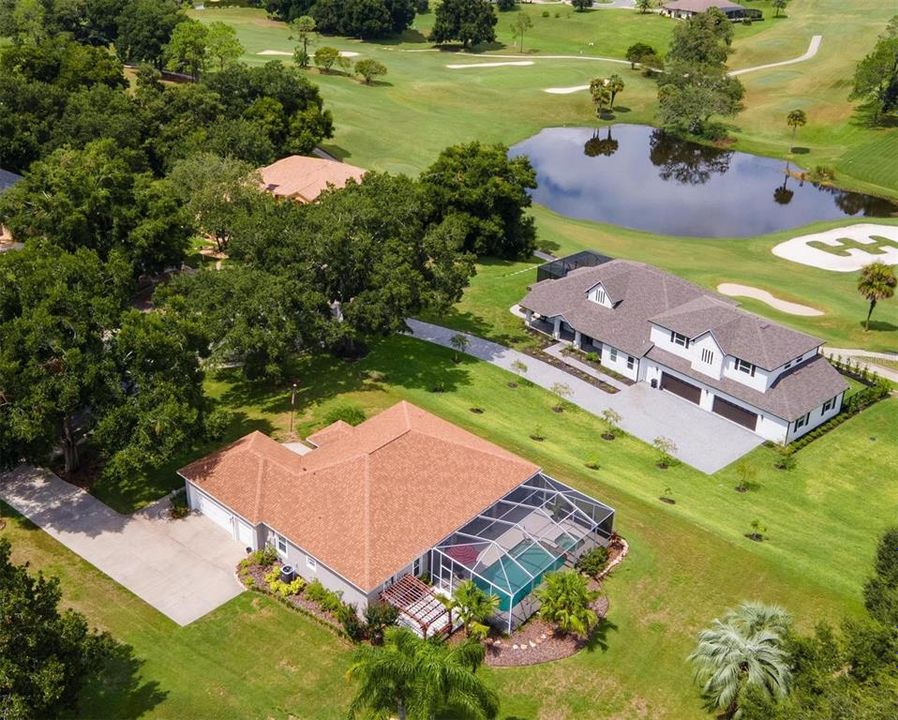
<point x="120" y="182"/>
<point x="364" y="19"/>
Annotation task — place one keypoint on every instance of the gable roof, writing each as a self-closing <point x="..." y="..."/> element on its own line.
<point x="699" y="6"/>
<point x="304" y="178"/>
<point x="644" y="294"/>
<point x="370" y="499"/>
<point x="8" y="179"/>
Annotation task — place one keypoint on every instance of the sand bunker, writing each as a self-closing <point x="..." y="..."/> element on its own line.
<point x="490" y="65"/>
<point x="567" y="90"/>
<point x="736" y="290"/>
<point x="275" y="52"/>
<point x="845" y="249"/>
<point x="348" y="53"/>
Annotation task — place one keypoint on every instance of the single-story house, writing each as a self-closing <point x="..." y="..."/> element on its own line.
<point x="652" y="326"/>
<point x="403" y="495"/>
<point x="682" y="9"/>
<point x="303" y="179"/>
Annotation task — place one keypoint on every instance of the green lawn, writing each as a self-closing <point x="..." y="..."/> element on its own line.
<point x="424" y="106"/>
<point x="688" y="562"/>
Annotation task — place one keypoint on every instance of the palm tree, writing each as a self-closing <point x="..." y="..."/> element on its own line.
<point x="416" y="679"/>
<point x="745" y="648"/>
<point x="566" y="601"/>
<point x="796" y="119"/>
<point x="600" y="93"/>
<point x="877" y="282"/>
<point x="473" y="607"/>
<point x="615" y="86"/>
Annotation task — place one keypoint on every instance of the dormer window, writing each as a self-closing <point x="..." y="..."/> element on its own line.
<point x="678" y="339"/>
<point x="744" y="366"/>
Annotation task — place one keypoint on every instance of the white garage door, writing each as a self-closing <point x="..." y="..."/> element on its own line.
<point x="216" y="513"/>
<point x="245" y="535"/>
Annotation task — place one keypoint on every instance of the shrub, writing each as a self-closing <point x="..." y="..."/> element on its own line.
<point x="179" y="508"/>
<point x="281" y="588"/>
<point x="593" y="561"/>
<point x="265" y="557"/>
<point x="785" y="460"/>
<point x="217" y="423"/>
<point x="368" y="69"/>
<point x="351" y="414"/>
<point x="546" y="13"/>
<point x="538" y="434"/>
<point x="566" y="601"/>
<point x="376" y="376"/>
<point x="352" y="624"/>
<point x="327" y="600"/>
<point x="378" y="617"/>
<point x="592" y="357"/>
<point x="581" y="5"/>
<point x="504" y="5"/>
<point x="592" y="464"/>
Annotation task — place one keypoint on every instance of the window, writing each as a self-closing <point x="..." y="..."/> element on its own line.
<point x="311" y="562"/>
<point x="281" y="543"/>
<point x="631" y="362"/>
<point x="707" y="356"/>
<point x="612" y="354"/>
<point x="829" y="404"/>
<point x="416" y="568"/>
<point x="802" y="421"/>
<point x="746" y="367"/>
<point x="678" y="339"/>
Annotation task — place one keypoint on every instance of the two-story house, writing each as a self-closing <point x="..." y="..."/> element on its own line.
<point x="654" y="327"/>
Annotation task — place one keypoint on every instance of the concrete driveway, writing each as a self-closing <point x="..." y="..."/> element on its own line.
<point x="705" y="441"/>
<point x="183" y="568"/>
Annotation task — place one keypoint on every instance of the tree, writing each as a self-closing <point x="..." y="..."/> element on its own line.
<point x="506" y="5"/>
<point x="881" y="590"/>
<point x="876" y="78"/>
<point x="402" y="14"/>
<point x="519" y="367"/>
<point x="877" y="282"/>
<point x="637" y="51"/>
<point x="615" y="86"/>
<point x="702" y="39"/>
<point x="416" y="678"/>
<point x="217" y="193"/>
<point x="460" y="343"/>
<point x="145" y="28"/>
<point x="581" y="5"/>
<point x="46" y="656"/>
<point x="796" y="119"/>
<point x="368" y="69"/>
<point x="482" y="193"/>
<point x="303" y="29"/>
<point x="326" y="57"/>
<point x="744" y="649"/>
<point x="612" y="420"/>
<point x="564" y="392"/>
<point x="186" y="50"/>
<point x="473" y="607"/>
<point x="522" y="23"/>
<point x="689" y="96"/>
<point x="747" y="473"/>
<point x="93" y="198"/>
<point x="600" y="94"/>
<point x="470" y="21"/>
<point x="779" y="5"/>
<point x="644" y="6"/>
<point x="28" y="21"/>
<point x="666" y="449"/>
<point x="567" y="602"/>
<point x="222" y="44"/>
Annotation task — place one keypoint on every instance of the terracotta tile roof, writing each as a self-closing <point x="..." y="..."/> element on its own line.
<point x="369" y="499"/>
<point x="304" y="178"/>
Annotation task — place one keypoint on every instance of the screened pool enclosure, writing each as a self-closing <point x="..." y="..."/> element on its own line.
<point x="540" y="526"/>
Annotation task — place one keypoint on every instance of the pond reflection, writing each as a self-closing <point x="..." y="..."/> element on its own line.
<point x="640" y="177"/>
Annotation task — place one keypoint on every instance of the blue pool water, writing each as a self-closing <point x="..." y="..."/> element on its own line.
<point x="532" y="557"/>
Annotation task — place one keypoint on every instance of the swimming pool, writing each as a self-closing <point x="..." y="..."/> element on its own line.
<point x="531" y="557"/>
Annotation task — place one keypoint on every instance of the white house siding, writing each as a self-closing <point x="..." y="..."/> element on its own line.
<point x="818" y="417"/>
<point x="240" y="529"/>
<point x="298" y="559"/>
<point x="620" y="365"/>
<point x="760" y="381"/>
<point x="698" y="348"/>
<point x="409" y="569"/>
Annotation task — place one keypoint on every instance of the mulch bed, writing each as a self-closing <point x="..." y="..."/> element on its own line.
<point x="581" y="356"/>
<point x="555" y="362"/>
<point x="536" y="641"/>
<point x="257" y="573"/>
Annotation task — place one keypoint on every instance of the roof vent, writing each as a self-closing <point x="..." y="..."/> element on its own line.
<point x="764" y="326"/>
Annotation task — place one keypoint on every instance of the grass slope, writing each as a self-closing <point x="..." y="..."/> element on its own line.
<point x="688" y="563"/>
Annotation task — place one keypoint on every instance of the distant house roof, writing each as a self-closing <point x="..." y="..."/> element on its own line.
<point x="303" y="178"/>
<point x="643" y="294"/>
<point x="8" y="179"/>
<point x="370" y="499"/>
<point x="700" y="6"/>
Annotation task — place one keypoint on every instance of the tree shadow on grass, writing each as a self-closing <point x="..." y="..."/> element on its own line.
<point x="411" y="35"/>
<point x="598" y="640"/>
<point x="880" y="326"/>
<point x="120" y="691"/>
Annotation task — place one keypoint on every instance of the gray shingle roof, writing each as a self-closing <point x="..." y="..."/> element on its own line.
<point x="699" y="6"/>
<point x="793" y="394"/>
<point x="8" y="179"/>
<point x="644" y="294"/>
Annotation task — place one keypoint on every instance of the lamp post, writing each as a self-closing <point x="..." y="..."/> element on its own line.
<point x="292" y="406"/>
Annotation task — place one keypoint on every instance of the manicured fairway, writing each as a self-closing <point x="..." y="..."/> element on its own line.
<point x="688" y="563"/>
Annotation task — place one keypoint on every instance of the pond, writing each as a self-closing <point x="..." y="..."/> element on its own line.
<point x="640" y="177"/>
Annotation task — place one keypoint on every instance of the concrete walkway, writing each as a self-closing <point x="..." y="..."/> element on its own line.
<point x="809" y="53"/>
<point x="705" y="441"/>
<point x="556" y="352"/>
<point x="183" y="568"/>
<point x="857" y="353"/>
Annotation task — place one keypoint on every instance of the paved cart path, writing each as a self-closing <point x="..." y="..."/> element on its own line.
<point x="809" y="53"/>
<point x="705" y="441"/>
